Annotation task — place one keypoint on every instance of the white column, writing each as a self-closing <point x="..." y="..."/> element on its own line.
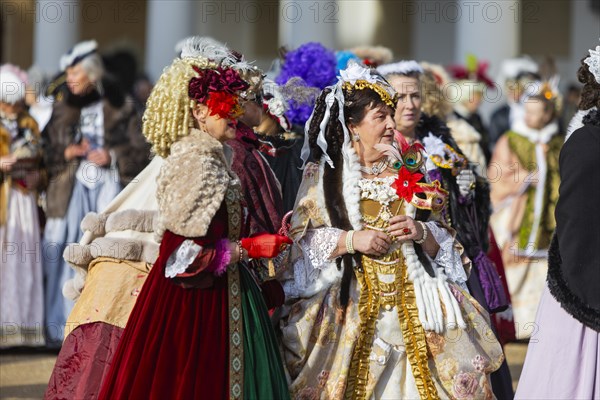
<point x="433" y="29"/>
<point x="490" y="31"/>
<point x="232" y="22"/>
<point x="168" y="22"/>
<point x="56" y="30"/>
<point x="585" y="32"/>
<point x="302" y="21"/>
<point x="349" y="32"/>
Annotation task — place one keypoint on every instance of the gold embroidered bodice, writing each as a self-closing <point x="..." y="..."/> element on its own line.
<point x="384" y="284"/>
<point x="381" y="274"/>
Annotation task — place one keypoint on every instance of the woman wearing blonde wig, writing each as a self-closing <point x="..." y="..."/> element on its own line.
<point x="199" y="328"/>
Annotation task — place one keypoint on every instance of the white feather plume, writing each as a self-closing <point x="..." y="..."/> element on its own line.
<point x="206" y="47"/>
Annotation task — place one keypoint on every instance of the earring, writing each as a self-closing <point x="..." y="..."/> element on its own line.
<point x="355" y="137"/>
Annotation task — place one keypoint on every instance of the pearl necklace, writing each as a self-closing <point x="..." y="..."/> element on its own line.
<point x="375" y="169"/>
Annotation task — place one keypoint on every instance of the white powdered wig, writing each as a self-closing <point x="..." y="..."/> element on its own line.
<point x="513" y="67"/>
<point x="400" y="68"/>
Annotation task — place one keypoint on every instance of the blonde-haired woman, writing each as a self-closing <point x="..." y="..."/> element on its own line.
<point x="200" y="327"/>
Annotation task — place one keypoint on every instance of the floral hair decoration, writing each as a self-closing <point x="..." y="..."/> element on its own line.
<point x="218" y="88"/>
<point x="355" y="77"/>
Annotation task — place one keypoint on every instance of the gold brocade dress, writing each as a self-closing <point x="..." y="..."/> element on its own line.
<point x="376" y="347"/>
<point x="384" y="285"/>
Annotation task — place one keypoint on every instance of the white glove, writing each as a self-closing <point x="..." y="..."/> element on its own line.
<point x="466" y="182"/>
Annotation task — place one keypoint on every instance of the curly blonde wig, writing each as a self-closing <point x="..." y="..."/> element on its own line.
<point x="434" y="101"/>
<point x="168" y="116"/>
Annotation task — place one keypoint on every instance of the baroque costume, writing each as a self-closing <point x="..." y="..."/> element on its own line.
<point x="21" y="290"/>
<point x="392" y="339"/>
<point x="200" y="326"/>
<point x="567" y="344"/>
<point x="114" y="280"/>
<point x="77" y="187"/>
<point x="111" y="263"/>
<point x="563" y="356"/>
<point x="260" y="186"/>
<point x="524" y="189"/>
<point x="211" y="316"/>
<point x="469" y="216"/>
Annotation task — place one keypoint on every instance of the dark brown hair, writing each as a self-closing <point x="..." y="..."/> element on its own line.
<point x="357" y="103"/>
<point x="590" y="94"/>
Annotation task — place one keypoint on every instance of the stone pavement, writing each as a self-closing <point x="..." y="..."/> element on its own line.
<point x="24" y="373"/>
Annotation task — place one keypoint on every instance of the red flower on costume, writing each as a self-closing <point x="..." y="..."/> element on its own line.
<point x="222" y="104"/>
<point x="406" y="184"/>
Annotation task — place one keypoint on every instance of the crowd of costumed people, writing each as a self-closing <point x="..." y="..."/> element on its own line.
<point x="343" y="225"/>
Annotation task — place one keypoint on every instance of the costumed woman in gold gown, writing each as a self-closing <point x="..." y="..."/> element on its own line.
<point x="370" y="310"/>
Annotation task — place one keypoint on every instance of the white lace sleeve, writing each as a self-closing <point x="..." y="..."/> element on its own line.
<point x="317" y="246"/>
<point x="181" y="258"/>
<point x="448" y="256"/>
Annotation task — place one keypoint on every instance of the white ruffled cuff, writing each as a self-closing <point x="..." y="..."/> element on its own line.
<point x="317" y="247"/>
<point x="448" y="256"/>
<point x="181" y="258"/>
<point x="319" y="244"/>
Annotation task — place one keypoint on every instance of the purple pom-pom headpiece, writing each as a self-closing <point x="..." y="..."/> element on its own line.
<point x="316" y="65"/>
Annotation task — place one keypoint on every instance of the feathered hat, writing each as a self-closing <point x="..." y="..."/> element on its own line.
<point x="468" y="78"/>
<point x="77" y="53"/>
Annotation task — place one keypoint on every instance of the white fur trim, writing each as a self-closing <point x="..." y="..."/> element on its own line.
<point x="137" y="220"/>
<point x="124" y="249"/>
<point x="94" y="223"/>
<point x="351" y="175"/>
<point x="400" y="68"/>
<point x="73" y="287"/>
<point x="577" y="121"/>
<point x="321" y="193"/>
<point x="534" y="135"/>
<point x="431" y="292"/>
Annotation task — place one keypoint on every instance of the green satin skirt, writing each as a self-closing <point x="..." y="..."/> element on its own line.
<point x="264" y="377"/>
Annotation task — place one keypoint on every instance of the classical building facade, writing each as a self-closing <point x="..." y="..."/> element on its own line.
<point x="39" y="31"/>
